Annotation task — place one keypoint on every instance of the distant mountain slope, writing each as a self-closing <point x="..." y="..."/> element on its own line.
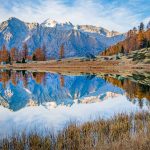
<point x="78" y="40"/>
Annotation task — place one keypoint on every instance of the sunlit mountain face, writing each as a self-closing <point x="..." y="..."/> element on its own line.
<point x="20" y="89"/>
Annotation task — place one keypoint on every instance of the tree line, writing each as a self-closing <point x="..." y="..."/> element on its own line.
<point x="135" y="39"/>
<point x="22" y="56"/>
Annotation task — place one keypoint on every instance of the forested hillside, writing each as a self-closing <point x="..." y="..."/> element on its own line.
<point x="136" y="39"/>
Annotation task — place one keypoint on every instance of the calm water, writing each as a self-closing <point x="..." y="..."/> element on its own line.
<point x="29" y="99"/>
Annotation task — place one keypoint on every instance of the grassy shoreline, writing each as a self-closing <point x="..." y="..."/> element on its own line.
<point x="138" y="60"/>
<point x="80" y="65"/>
<point x="121" y="132"/>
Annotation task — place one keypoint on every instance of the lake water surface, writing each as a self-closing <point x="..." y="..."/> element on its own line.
<point x="30" y="100"/>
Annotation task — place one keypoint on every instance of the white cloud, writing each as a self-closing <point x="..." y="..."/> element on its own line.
<point x="109" y="16"/>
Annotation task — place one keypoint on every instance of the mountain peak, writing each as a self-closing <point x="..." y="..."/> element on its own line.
<point x="50" y="23"/>
<point x="53" y="23"/>
<point x="13" y="19"/>
<point x="12" y="22"/>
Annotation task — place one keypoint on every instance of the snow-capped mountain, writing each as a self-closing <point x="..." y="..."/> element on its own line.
<point x="78" y="40"/>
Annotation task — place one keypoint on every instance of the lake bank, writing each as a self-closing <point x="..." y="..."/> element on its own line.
<point x="80" y="65"/>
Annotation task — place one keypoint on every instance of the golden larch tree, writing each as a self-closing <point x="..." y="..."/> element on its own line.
<point x="61" y="52"/>
<point x="13" y="54"/>
<point x="38" y="55"/>
<point x="25" y="51"/>
<point x="4" y="55"/>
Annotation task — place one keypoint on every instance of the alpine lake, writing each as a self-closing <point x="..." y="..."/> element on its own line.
<point x="43" y="100"/>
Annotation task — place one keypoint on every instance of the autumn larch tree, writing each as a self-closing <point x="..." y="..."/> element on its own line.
<point x="5" y="55"/>
<point x="61" y="52"/>
<point x="122" y="50"/>
<point x="13" y="54"/>
<point x="141" y="39"/>
<point x="25" y="52"/>
<point x="141" y="27"/>
<point x="38" y="55"/>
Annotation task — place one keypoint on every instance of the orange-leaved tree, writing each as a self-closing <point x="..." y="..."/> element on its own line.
<point x="25" y="51"/>
<point x="61" y="51"/>
<point x="4" y="54"/>
<point x="13" y="54"/>
<point x="38" y="55"/>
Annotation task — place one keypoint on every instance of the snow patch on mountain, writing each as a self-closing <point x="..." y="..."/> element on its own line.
<point x="98" y="30"/>
<point x="54" y="24"/>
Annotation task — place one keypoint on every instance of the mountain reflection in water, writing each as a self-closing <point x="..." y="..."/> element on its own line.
<point x="19" y="89"/>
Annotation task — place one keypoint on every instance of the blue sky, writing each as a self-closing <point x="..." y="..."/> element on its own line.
<point x="119" y="15"/>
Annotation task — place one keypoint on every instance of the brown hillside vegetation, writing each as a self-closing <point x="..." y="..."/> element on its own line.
<point x="134" y="41"/>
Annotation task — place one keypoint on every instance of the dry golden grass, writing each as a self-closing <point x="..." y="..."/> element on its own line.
<point x="80" y="66"/>
<point x="119" y="133"/>
<point x="133" y="62"/>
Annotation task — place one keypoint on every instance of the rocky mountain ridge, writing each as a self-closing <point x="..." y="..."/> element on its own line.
<point x="78" y="40"/>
